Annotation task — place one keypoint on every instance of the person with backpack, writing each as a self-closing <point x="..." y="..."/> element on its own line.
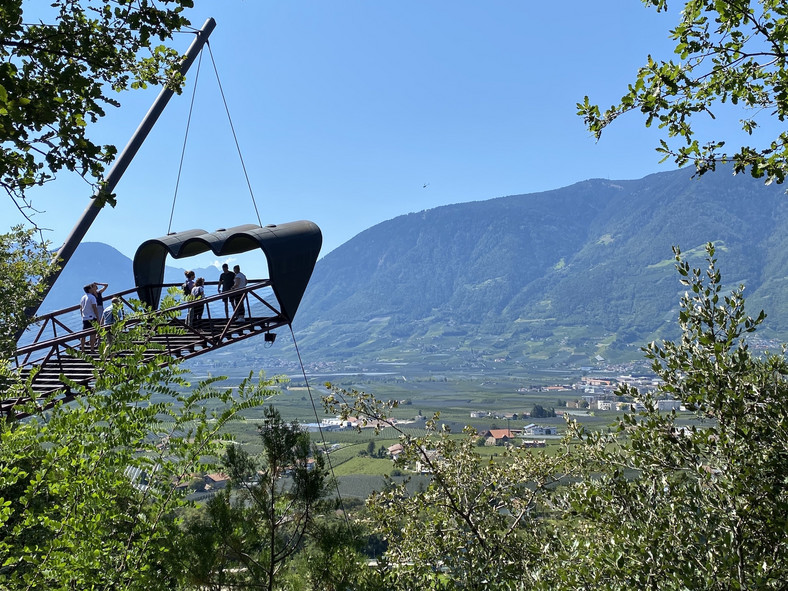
<point x="189" y="283"/>
<point x="198" y="293"/>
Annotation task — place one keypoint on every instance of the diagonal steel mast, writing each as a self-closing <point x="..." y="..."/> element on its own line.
<point x="121" y="164"/>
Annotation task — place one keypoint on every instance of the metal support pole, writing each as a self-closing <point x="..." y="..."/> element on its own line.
<point x="121" y="164"/>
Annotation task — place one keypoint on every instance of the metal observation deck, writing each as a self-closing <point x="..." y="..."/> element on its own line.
<point x="291" y="251"/>
<point x="51" y="358"/>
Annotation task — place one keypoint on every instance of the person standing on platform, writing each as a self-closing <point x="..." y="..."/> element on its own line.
<point x="110" y="316"/>
<point x="238" y="300"/>
<point x="226" y="282"/>
<point x="187" y="287"/>
<point x="99" y="293"/>
<point x="89" y="312"/>
<point x="198" y="293"/>
<point x="189" y="283"/>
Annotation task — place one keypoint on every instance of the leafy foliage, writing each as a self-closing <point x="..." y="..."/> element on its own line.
<point x="478" y="524"/>
<point x="690" y="508"/>
<point x="249" y="532"/>
<point x="647" y="505"/>
<point x="57" y="77"/>
<point x="332" y="559"/>
<point x="540" y="412"/>
<point x="728" y="52"/>
<point x="87" y="492"/>
<point x="23" y="261"/>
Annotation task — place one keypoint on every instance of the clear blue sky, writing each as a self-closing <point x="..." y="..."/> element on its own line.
<point x="344" y="110"/>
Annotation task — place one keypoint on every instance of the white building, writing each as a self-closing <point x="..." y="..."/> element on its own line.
<point x="534" y="429"/>
<point x="668" y="405"/>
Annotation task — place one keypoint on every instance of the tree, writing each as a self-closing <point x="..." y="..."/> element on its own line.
<point x="540" y="412"/>
<point x="252" y="530"/>
<point x="22" y="262"/>
<point x="674" y="504"/>
<point x="332" y="559"/>
<point x="58" y="77"/>
<point x="88" y="491"/>
<point x="478" y="524"/>
<point x="728" y="52"/>
<point x="661" y="501"/>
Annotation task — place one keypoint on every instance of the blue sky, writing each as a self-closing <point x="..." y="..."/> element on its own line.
<point x="344" y="110"/>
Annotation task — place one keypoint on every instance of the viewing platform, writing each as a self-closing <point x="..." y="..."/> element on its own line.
<point x="50" y="359"/>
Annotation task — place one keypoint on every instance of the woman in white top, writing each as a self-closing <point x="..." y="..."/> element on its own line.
<point x="238" y="299"/>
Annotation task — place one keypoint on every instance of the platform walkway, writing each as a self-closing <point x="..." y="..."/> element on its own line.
<point x="50" y="355"/>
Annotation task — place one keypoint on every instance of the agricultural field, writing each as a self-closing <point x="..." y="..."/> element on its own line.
<point x="421" y="392"/>
<point x="358" y="474"/>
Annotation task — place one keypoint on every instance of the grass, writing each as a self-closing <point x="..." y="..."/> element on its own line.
<point x="363" y="465"/>
<point x="362" y="486"/>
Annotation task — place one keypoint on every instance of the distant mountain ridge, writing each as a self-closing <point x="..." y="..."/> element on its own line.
<point x="96" y="261"/>
<point x="568" y="276"/>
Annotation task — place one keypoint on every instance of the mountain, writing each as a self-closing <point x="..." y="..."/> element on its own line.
<point x="95" y="261"/>
<point x="569" y="276"/>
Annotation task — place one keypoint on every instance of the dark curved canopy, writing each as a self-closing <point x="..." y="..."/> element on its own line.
<point x="291" y="250"/>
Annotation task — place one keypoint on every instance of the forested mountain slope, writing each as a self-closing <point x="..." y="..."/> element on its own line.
<point x="569" y="274"/>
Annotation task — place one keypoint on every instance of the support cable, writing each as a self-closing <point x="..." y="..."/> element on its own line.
<point x="320" y="429"/>
<point x="185" y="137"/>
<point x="235" y="137"/>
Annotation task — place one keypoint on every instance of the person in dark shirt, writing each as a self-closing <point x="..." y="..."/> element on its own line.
<point x="226" y="281"/>
<point x="98" y="290"/>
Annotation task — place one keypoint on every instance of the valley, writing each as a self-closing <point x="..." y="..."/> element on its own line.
<point x="498" y="396"/>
